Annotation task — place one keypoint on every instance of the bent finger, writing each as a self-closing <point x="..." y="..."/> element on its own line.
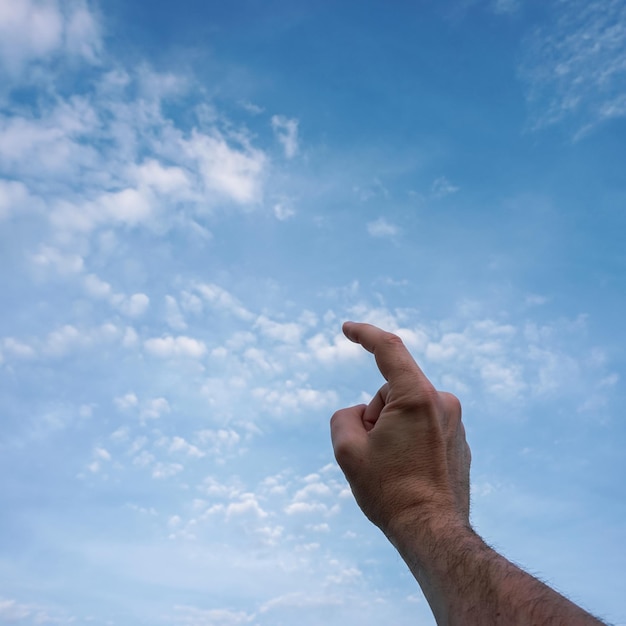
<point x="348" y="434"/>
<point x="375" y="406"/>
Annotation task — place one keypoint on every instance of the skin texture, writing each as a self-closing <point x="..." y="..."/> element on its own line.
<point x="407" y="461"/>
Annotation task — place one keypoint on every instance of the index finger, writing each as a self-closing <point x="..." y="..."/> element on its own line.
<point x="392" y="357"/>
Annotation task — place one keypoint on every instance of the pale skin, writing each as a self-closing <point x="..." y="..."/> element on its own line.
<point x="407" y="461"/>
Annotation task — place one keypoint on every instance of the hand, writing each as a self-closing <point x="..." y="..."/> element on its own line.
<point x="404" y="454"/>
<point x="407" y="461"/>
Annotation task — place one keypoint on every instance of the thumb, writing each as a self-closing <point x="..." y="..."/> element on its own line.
<point x="348" y="434"/>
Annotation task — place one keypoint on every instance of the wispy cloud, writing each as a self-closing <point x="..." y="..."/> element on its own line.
<point x="283" y="212"/>
<point x="12" y="612"/>
<point x="150" y="172"/>
<point x="575" y="66"/>
<point x="506" y="7"/>
<point x="382" y="228"/>
<point x="442" y="187"/>
<point x="286" y="130"/>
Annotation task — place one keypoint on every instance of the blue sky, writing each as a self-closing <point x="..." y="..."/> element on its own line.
<point x="195" y="195"/>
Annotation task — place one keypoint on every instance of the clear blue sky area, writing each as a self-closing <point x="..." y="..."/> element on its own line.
<point x="194" y="195"/>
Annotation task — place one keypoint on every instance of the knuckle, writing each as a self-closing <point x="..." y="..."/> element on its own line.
<point x="341" y="450"/>
<point x="343" y="444"/>
<point x="392" y="339"/>
<point x="344" y="453"/>
<point x="426" y="401"/>
<point x="451" y="403"/>
<point x="334" y="419"/>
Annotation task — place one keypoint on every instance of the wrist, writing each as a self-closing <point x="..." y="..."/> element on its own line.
<point x="429" y="540"/>
<point x="429" y="521"/>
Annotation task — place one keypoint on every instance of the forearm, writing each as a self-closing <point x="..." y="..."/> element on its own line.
<point x="467" y="583"/>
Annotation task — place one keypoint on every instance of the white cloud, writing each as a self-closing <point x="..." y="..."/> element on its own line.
<point x="215" y="488"/>
<point x="233" y="173"/>
<point x="316" y="489"/>
<point x="29" y="30"/>
<point x="503" y="380"/>
<point x="610" y="380"/>
<point x="97" y="287"/>
<point x="219" y="441"/>
<point x="143" y="459"/>
<point x="319" y="528"/>
<point x="221" y="299"/>
<point x="18" y="349"/>
<point x="288" y="399"/>
<point x="132" y="306"/>
<point x="12" y="611"/>
<point x="136" y="445"/>
<point x="158" y="86"/>
<point x="150" y="409"/>
<point x="247" y="505"/>
<point x="251" y="107"/>
<point x="178" y="444"/>
<point x="173" y="314"/>
<point x="174" y="521"/>
<point x="15" y="198"/>
<point x="155" y="408"/>
<point x="136" y="305"/>
<point x="270" y="535"/>
<point x="51" y="144"/>
<point x="287" y="134"/>
<point x="487" y="349"/>
<point x="128" y="206"/>
<point x="130" y="337"/>
<point x="332" y="350"/>
<point x="67" y="338"/>
<point x="380" y="316"/>
<point x="82" y="33"/>
<point x="127" y="401"/>
<point x="120" y="434"/>
<point x="240" y="340"/>
<point x="282" y="212"/>
<point x="260" y="359"/>
<point x="382" y="228"/>
<point x="285" y="332"/>
<point x="166" y="470"/>
<point x="345" y="575"/>
<point x="62" y="262"/>
<point x="172" y="347"/>
<point x="172" y="181"/>
<point x="190" y="303"/>
<point x="102" y="453"/>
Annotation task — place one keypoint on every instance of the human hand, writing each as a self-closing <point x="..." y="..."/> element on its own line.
<point x="404" y="454"/>
<point x="407" y="461"/>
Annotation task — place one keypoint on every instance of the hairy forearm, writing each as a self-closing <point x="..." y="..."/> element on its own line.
<point x="467" y="583"/>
